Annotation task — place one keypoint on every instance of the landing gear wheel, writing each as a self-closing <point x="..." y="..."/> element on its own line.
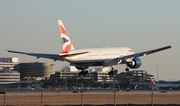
<point x="127" y="69"/>
<point x="83" y="73"/>
<point x="115" y="71"/>
<point x="112" y="73"/>
<point x="80" y="73"/>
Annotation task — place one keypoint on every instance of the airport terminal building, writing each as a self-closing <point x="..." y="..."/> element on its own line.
<point x="9" y="77"/>
<point x="11" y="72"/>
<point x="136" y="79"/>
<point x="36" y="71"/>
<point x="96" y="76"/>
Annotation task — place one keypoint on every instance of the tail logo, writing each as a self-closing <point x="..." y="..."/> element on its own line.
<point x="62" y="30"/>
<point x="66" y="42"/>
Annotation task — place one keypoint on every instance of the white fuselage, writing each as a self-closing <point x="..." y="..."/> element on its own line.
<point x="98" y="54"/>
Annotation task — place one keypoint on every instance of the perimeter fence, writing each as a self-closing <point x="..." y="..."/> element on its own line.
<point x="57" y="97"/>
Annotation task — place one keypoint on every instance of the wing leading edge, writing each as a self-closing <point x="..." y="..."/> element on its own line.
<point x="116" y="61"/>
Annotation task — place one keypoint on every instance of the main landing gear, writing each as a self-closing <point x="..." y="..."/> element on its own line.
<point x="113" y="72"/>
<point x="127" y="69"/>
<point x="83" y="73"/>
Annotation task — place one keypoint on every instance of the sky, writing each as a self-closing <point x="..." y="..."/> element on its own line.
<point x="31" y="26"/>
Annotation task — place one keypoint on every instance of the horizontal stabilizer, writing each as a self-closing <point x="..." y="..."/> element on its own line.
<point x="55" y="57"/>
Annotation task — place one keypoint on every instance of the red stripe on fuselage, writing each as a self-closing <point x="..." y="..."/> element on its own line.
<point x="63" y="54"/>
<point x="62" y="30"/>
<point x="130" y="50"/>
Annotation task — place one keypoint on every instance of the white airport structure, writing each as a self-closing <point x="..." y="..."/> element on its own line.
<point x="9" y="77"/>
<point x="7" y="64"/>
<point x="35" y="70"/>
<point x="98" y="74"/>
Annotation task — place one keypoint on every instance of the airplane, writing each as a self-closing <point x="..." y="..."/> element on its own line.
<point x="84" y="58"/>
<point x="163" y="86"/>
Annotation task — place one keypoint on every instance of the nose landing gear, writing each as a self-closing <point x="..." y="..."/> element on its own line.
<point x="83" y="73"/>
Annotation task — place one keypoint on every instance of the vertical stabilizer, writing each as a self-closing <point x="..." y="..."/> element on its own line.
<point x="66" y="41"/>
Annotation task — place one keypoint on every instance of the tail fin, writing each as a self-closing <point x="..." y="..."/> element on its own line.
<point x="66" y="41"/>
<point x="152" y="81"/>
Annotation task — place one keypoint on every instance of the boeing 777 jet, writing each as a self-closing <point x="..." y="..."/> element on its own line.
<point x="84" y="58"/>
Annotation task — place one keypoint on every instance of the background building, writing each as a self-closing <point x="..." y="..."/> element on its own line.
<point x="7" y="64"/>
<point x="96" y="74"/>
<point x="9" y="80"/>
<point x="35" y="70"/>
<point x="9" y="77"/>
<point x="135" y="78"/>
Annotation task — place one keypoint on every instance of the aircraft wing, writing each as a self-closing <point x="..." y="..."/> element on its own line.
<point x="116" y="61"/>
<point x="145" y="53"/>
<point x="40" y="55"/>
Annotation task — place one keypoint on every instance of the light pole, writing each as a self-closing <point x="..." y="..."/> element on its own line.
<point x="114" y="89"/>
<point x="152" y="96"/>
<point x="82" y="96"/>
<point x="157" y="74"/>
<point x="66" y="83"/>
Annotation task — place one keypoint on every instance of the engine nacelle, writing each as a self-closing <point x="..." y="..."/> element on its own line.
<point x="135" y="63"/>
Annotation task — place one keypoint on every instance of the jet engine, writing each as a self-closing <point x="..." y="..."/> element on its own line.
<point x="135" y="63"/>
